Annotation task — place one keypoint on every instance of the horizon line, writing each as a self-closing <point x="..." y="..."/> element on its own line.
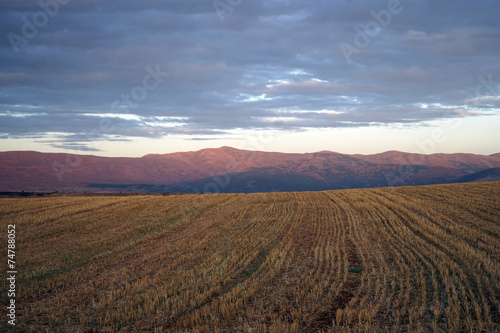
<point x="250" y="150"/>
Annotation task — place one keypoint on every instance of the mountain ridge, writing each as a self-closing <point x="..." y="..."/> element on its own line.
<point x="188" y="171"/>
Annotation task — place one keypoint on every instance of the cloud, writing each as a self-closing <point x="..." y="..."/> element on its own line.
<point x="270" y="64"/>
<point x="74" y="146"/>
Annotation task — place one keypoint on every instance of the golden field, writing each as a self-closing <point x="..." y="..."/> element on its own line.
<point x="407" y="259"/>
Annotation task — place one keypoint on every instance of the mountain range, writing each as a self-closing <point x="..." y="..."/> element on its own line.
<point x="228" y="169"/>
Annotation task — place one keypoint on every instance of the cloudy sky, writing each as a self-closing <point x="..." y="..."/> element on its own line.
<point x="131" y="77"/>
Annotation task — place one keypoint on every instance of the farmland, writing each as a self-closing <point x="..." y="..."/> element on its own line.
<point x="409" y="259"/>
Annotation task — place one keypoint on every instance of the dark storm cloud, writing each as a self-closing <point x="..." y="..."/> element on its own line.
<point x="259" y="64"/>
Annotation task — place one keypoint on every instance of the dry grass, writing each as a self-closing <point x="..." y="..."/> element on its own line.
<point x="410" y="259"/>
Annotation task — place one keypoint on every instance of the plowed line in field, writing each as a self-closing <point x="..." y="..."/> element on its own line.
<point x="393" y="229"/>
<point x="351" y="281"/>
<point x="453" y="262"/>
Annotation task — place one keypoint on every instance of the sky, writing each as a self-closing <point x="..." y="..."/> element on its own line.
<point x="132" y="77"/>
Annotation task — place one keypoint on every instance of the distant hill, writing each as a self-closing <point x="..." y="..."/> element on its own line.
<point x="228" y="169"/>
<point x="487" y="175"/>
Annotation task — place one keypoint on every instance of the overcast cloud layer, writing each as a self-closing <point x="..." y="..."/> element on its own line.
<point x="83" y="70"/>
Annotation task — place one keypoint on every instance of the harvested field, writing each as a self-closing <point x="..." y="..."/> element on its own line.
<point x="408" y="259"/>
